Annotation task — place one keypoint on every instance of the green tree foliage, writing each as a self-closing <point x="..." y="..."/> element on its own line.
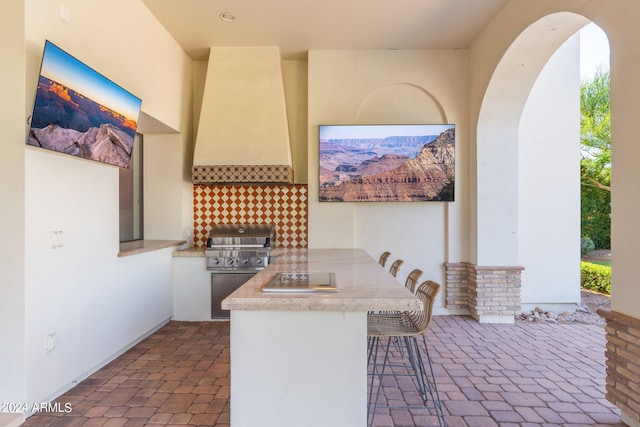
<point x="595" y="166"/>
<point x="595" y="216"/>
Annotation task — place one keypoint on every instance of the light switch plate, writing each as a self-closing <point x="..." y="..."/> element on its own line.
<point x="49" y="342"/>
<point x="65" y="13"/>
<point x="56" y="239"/>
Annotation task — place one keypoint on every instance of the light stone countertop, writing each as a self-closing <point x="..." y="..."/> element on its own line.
<point x="363" y="284"/>
<point x="142" y="246"/>
<point x="193" y="251"/>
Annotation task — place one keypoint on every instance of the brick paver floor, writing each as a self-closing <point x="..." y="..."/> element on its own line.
<point x="487" y="375"/>
<point x="511" y="375"/>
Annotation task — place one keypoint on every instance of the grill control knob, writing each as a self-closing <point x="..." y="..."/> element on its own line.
<point x="228" y="261"/>
<point x="256" y="260"/>
<point x="244" y="261"/>
<point x="214" y="261"/>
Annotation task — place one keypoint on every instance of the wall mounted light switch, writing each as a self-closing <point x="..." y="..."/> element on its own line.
<point x="56" y="239"/>
<point x="49" y="342"/>
<point x="65" y="13"/>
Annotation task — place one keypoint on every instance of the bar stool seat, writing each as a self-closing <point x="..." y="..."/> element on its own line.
<point x="404" y="328"/>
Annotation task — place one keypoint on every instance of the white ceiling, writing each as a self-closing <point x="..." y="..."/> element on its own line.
<point x="296" y="26"/>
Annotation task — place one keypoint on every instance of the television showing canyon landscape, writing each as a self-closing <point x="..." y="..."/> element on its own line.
<point x="80" y="112"/>
<point x="387" y="163"/>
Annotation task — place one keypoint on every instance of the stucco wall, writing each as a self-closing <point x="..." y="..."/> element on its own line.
<point x="243" y="109"/>
<point x="295" y="91"/>
<point x="154" y="68"/>
<point x="368" y="87"/>
<point x="97" y="303"/>
<point x="560" y="20"/>
<point x="549" y="185"/>
<point x="12" y="295"/>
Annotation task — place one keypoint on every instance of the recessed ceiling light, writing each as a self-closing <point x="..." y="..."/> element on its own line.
<point x="226" y="16"/>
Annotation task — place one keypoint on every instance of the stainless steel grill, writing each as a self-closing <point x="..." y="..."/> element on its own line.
<point x="234" y="254"/>
<point x="234" y="247"/>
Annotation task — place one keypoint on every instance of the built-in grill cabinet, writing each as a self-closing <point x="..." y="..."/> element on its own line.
<point x="234" y="254"/>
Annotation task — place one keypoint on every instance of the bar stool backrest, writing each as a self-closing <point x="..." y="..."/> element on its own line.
<point x="395" y="267"/>
<point x="384" y="257"/>
<point x="412" y="279"/>
<point x="426" y="292"/>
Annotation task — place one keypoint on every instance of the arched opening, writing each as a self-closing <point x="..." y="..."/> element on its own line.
<point x="500" y="231"/>
<point x="595" y="167"/>
<point x="528" y="199"/>
<point x="549" y="186"/>
<point x="497" y="134"/>
<point x="551" y="191"/>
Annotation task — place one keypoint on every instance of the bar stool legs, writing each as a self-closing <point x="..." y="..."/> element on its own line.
<point x="404" y="328"/>
<point x="416" y="368"/>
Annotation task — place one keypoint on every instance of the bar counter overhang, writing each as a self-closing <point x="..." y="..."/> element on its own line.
<point x="301" y="358"/>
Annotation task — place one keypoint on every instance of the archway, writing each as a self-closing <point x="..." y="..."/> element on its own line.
<point x="619" y="21"/>
<point x="497" y="134"/>
<point x="549" y="185"/>
<point x="494" y="272"/>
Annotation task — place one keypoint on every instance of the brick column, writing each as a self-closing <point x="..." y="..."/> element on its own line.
<point x="488" y="294"/>
<point x="623" y="364"/>
<point x="494" y="296"/>
<point x="457" y="287"/>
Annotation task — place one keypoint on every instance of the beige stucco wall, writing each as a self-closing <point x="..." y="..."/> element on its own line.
<point x="124" y="42"/>
<point x="136" y="52"/>
<point x="12" y="209"/>
<point x="501" y="83"/>
<point x="619" y="21"/>
<point x="243" y="117"/>
<point x="295" y="90"/>
<point x="97" y="303"/>
<point x="154" y="68"/>
<point x="369" y="87"/>
<point x="294" y="76"/>
<point x="549" y="185"/>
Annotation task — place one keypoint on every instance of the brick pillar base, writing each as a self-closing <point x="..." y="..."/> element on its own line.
<point x="456" y="279"/>
<point x="488" y="294"/>
<point x="623" y="364"/>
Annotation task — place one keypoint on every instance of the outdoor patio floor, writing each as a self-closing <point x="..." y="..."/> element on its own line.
<point x="487" y="375"/>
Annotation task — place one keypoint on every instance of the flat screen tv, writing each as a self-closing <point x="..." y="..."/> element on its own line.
<point x="80" y="112"/>
<point x="387" y="163"/>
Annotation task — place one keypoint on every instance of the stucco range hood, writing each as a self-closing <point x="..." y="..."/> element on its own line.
<point x="243" y="134"/>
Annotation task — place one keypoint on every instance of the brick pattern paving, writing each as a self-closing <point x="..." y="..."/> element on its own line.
<point x="511" y="375"/>
<point x="177" y="376"/>
<point x="487" y="375"/>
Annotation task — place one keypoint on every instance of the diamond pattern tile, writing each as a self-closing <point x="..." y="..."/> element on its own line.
<point x="283" y="206"/>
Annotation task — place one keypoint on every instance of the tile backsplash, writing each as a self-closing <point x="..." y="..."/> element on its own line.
<point x="284" y="206"/>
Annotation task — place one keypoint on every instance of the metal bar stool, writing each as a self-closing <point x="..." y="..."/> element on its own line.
<point x="383" y="258"/>
<point x="406" y="327"/>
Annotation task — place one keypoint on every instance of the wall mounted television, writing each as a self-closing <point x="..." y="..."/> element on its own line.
<point x="80" y="112"/>
<point x="387" y="163"/>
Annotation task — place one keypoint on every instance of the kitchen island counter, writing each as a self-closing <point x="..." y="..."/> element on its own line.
<point x="363" y="284"/>
<point x="300" y="359"/>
